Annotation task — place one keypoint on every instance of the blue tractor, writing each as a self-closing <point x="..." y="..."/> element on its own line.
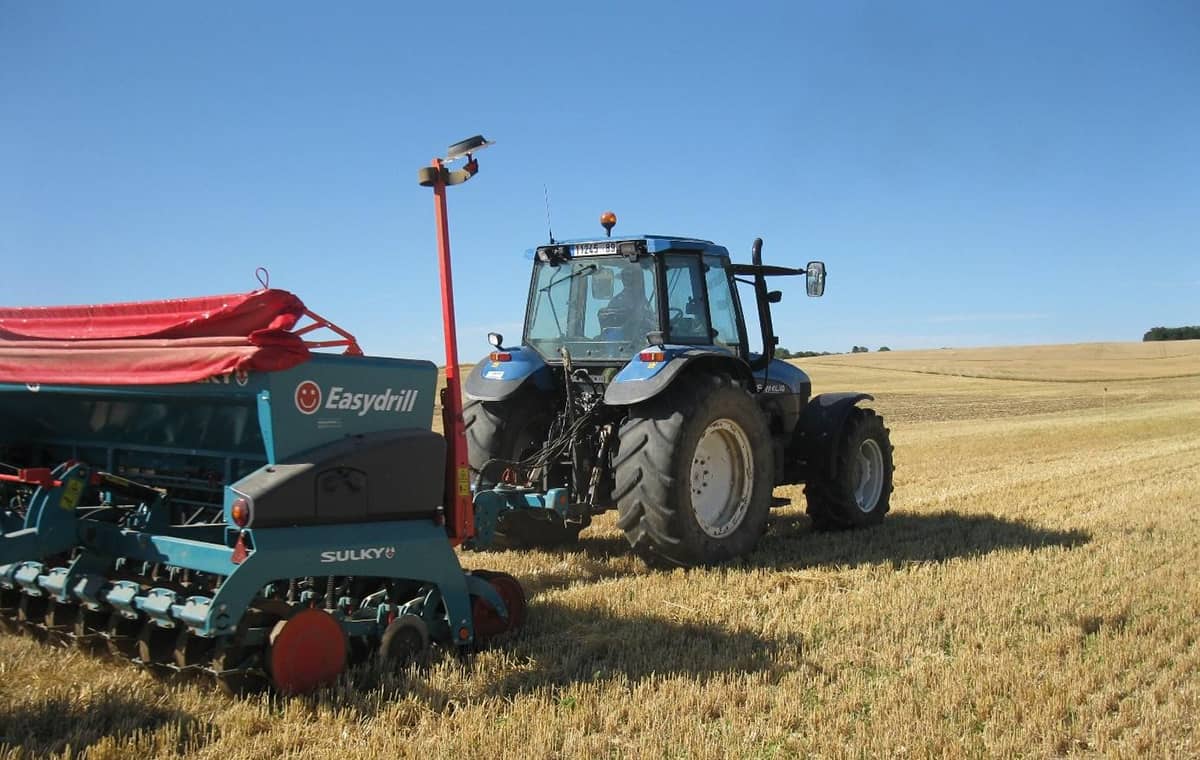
<point x="634" y="387"/>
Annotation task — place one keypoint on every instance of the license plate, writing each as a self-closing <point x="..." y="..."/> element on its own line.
<point x="603" y="248"/>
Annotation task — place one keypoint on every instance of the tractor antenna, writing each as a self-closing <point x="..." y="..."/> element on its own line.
<point x="546" y="191"/>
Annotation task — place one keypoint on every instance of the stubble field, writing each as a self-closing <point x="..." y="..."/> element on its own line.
<point x="1033" y="593"/>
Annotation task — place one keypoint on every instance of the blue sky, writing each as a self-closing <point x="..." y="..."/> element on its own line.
<point x="1017" y="173"/>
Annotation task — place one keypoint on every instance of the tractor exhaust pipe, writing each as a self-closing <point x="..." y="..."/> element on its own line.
<point x="761" y="296"/>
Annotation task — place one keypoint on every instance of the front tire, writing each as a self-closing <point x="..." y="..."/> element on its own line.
<point x="859" y="494"/>
<point x="694" y="473"/>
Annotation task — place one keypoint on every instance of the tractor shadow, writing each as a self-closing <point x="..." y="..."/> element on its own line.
<point x="50" y="726"/>
<point x="790" y="543"/>
<point x="902" y="539"/>
<point x="582" y="641"/>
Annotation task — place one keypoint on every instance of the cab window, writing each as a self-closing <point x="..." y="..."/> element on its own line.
<point x="720" y="303"/>
<point x="687" y="314"/>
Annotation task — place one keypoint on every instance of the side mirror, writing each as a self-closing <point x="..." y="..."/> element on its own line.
<point x="602" y="284"/>
<point x="816" y="279"/>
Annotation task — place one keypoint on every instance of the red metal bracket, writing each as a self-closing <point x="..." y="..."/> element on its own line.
<point x="33" y="476"/>
<point x="319" y="322"/>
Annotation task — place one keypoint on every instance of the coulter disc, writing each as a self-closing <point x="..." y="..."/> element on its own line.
<point x="191" y="651"/>
<point x="87" y="626"/>
<point x="156" y="645"/>
<point x="61" y="616"/>
<point x="234" y="677"/>
<point x="10" y="599"/>
<point x="123" y="636"/>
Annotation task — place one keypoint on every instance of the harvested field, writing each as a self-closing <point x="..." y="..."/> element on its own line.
<point x="1032" y="594"/>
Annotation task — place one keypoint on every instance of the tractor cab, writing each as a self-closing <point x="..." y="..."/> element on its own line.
<point x="621" y="317"/>
<point x="603" y="301"/>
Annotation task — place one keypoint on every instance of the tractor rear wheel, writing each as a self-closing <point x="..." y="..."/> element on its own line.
<point x="500" y="432"/>
<point x="694" y="472"/>
<point x="859" y="493"/>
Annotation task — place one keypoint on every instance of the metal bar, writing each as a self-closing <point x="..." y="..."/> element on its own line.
<point x="34" y="476"/>
<point x="348" y="340"/>
<point x="461" y="517"/>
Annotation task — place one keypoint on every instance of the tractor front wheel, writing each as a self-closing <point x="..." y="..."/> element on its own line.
<point x="694" y="473"/>
<point x="859" y="492"/>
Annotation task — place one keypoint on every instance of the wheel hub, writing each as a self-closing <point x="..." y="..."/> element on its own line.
<point x="722" y="478"/>
<point x="870" y="475"/>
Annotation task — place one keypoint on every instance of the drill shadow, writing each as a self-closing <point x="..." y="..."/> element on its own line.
<point x="569" y="641"/>
<point x="50" y="726"/>
<point x="566" y="644"/>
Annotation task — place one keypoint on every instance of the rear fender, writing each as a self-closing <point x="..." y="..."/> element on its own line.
<point x="640" y="381"/>
<point x="819" y="433"/>
<point x="496" y="381"/>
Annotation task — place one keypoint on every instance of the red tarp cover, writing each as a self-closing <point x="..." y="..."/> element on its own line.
<point x="151" y="342"/>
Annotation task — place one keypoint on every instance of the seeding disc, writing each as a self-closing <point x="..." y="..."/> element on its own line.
<point x="307" y="651"/>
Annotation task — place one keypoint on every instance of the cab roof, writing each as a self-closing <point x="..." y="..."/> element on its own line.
<point x="654" y="244"/>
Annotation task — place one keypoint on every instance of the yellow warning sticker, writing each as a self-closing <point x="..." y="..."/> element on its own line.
<point x="71" y="493"/>
<point x="464" y="482"/>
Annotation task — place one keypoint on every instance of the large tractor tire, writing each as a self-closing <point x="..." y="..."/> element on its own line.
<point x="511" y="430"/>
<point x="694" y="473"/>
<point x="859" y="494"/>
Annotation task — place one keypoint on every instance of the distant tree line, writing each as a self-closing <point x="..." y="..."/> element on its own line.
<point x="1191" y="332"/>
<point x="783" y="353"/>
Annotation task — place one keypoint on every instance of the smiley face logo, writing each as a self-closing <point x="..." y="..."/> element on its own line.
<point x="390" y="552"/>
<point x="308" y="397"/>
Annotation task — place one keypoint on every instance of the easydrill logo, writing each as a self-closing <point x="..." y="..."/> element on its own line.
<point x="309" y="397"/>
<point x="357" y="555"/>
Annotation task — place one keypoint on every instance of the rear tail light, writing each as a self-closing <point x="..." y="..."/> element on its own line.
<point x="652" y="356"/>
<point x="500" y="356"/>
<point x="239" y="511"/>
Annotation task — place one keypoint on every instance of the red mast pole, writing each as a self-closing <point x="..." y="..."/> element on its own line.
<point x="458" y="479"/>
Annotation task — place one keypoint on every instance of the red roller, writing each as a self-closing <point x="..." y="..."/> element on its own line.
<point x="489" y="622"/>
<point x="307" y="651"/>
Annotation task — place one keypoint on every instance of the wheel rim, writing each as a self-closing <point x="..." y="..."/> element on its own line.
<point x="870" y="475"/>
<point x="722" y="478"/>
